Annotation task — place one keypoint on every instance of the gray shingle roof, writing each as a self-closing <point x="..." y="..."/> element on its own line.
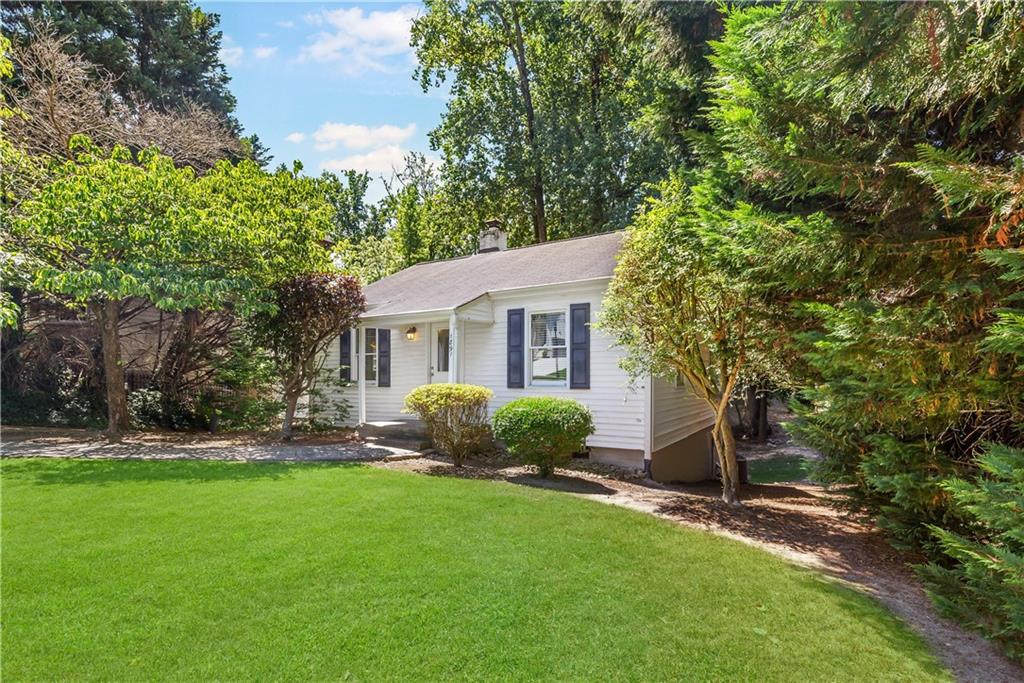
<point x="447" y="284"/>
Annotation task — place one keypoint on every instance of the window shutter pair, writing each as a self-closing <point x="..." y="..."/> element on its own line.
<point x="579" y="347"/>
<point x="383" y="357"/>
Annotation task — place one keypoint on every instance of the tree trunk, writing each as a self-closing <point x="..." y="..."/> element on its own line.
<point x="750" y="403"/>
<point x="762" y="417"/>
<point x="107" y="315"/>
<point x="725" y="443"/>
<point x="291" y="401"/>
<point x="540" y="228"/>
<point x="726" y="446"/>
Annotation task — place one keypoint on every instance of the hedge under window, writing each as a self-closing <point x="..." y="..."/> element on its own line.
<point x="548" y="363"/>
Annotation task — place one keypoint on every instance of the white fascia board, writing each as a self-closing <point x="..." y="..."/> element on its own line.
<point x="406" y="318"/>
<point x="569" y="285"/>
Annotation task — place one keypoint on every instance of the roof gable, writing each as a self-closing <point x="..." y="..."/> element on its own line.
<point x="444" y="285"/>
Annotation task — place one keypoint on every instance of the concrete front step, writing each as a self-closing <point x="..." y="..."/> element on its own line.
<point x="393" y="429"/>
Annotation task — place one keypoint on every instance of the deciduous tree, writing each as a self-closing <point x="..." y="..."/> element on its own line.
<point x="310" y="312"/>
<point x="109" y="228"/>
<point x="537" y="129"/>
<point x="680" y="307"/>
<point x="58" y="95"/>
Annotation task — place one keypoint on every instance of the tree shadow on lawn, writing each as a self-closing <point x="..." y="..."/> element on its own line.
<point x="565" y="483"/>
<point x="44" y="472"/>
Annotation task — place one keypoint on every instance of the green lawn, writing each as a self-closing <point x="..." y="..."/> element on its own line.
<point x="786" y="468"/>
<point x="204" y="570"/>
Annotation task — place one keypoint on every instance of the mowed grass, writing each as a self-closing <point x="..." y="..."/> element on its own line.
<point x="204" y="570"/>
<point x="786" y="468"/>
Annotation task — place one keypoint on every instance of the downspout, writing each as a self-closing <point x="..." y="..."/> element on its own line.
<point x="361" y="369"/>
<point x="649" y="424"/>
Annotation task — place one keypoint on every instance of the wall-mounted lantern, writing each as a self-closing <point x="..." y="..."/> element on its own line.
<point x="410" y="334"/>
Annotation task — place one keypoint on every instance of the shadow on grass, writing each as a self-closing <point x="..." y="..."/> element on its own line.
<point x="564" y="483"/>
<point x="486" y="471"/>
<point x="105" y="472"/>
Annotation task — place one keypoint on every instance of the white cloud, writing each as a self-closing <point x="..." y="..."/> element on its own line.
<point x="358" y="40"/>
<point x="232" y="56"/>
<point x="330" y="135"/>
<point x="295" y="137"/>
<point x="264" y="52"/>
<point x="382" y="160"/>
<point x="286" y="24"/>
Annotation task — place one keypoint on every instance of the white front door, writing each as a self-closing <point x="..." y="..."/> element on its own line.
<point x="439" y="342"/>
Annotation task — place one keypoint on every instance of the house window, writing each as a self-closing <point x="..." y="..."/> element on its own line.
<point x="548" y="363"/>
<point x="370" y="356"/>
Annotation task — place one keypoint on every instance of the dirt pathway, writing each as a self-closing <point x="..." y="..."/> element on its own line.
<point x="791" y="520"/>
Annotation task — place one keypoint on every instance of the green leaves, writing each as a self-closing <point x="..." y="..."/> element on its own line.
<point x="455" y="415"/>
<point x="105" y="227"/>
<point x="986" y="585"/>
<point x="543" y="430"/>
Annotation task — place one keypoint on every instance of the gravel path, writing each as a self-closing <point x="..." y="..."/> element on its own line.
<point x="791" y="520"/>
<point x="29" y="442"/>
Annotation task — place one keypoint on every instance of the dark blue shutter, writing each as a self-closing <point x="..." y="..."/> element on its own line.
<point x="345" y="356"/>
<point x="514" y="355"/>
<point x="383" y="358"/>
<point x="579" y="346"/>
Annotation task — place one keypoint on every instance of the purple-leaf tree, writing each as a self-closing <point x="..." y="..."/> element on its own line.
<point x="312" y="310"/>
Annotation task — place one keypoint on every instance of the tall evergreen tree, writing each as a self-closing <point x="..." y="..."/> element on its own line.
<point x="165" y="50"/>
<point x="872" y="159"/>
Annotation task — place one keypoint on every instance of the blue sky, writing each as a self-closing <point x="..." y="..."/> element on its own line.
<point x="329" y="84"/>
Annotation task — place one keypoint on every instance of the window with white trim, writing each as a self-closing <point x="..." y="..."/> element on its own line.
<point x="549" y="365"/>
<point x="370" y="356"/>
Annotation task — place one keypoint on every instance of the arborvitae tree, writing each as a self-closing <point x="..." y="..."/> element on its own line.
<point x="877" y="149"/>
<point x="985" y="586"/>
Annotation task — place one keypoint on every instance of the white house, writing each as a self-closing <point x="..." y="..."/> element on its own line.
<point x="519" y="321"/>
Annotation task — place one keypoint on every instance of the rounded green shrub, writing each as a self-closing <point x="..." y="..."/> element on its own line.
<point x="455" y="416"/>
<point x="544" y="431"/>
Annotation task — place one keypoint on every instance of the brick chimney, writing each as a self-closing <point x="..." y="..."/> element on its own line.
<point x="492" y="237"/>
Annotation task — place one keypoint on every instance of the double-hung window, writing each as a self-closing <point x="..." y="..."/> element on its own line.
<point x="548" y="363"/>
<point x="370" y="356"/>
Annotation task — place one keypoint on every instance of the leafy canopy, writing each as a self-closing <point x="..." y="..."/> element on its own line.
<point x="110" y="227"/>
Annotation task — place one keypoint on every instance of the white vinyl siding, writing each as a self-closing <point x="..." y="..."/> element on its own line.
<point x="408" y="371"/>
<point x="677" y="413"/>
<point x="618" y="409"/>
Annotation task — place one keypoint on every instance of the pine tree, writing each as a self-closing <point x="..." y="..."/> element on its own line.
<point x="166" y="50"/>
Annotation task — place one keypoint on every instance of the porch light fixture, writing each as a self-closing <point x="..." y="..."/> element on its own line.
<point x="410" y="334"/>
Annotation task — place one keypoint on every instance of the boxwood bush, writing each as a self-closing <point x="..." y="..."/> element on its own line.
<point x="544" y="431"/>
<point x="455" y="416"/>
